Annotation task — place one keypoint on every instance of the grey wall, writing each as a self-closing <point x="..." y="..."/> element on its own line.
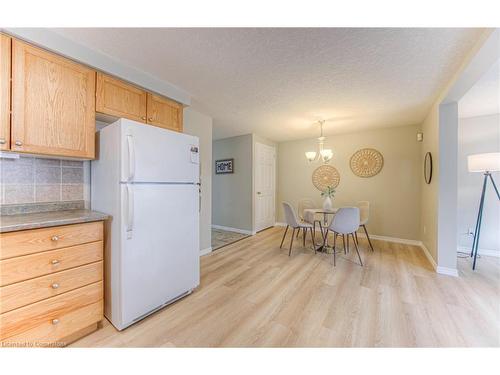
<point x="477" y="135"/>
<point x="394" y="193"/>
<point x="232" y="204"/>
<point x="200" y="125"/>
<point x="34" y="180"/>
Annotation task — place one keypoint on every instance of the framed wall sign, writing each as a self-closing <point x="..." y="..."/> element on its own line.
<point x="224" y="166"/>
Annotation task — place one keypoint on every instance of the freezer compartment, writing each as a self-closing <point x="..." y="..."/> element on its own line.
<point x="152" y="154"/>
<point x="160" y="246"/>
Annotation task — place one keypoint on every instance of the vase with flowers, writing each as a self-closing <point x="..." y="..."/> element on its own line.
<point x="328" y="195"/>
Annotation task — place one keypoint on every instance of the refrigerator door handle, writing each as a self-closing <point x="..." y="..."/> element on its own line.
<point x="130" y="210"/>
<point x="131" y="157"/>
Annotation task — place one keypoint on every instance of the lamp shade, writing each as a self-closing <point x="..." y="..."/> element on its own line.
<point x="489" y="162"/>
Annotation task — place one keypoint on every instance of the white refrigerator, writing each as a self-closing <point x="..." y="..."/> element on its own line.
<point x="147" y="179"/>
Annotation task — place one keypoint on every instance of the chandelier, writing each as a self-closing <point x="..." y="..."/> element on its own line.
<point x="324" y="154"/>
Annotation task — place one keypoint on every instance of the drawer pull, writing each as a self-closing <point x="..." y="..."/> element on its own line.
<point x="55" y="321"/>
<point x="55" y="262"/>
<point x="55" y="286"/>
<point x="55" y="238"/>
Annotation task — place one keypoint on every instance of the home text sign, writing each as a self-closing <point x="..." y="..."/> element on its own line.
<point x="224" y="166"/>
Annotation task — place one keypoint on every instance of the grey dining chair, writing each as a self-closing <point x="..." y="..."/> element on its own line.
<point x="292" y="221"/>
<point x="345" y="223"/>
<point x="309" y="217"/>
<point x="364" y="215"/>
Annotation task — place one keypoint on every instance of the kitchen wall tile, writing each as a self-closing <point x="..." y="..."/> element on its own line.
<point x="48" y="193"/>
<point x="13" y="172"/>
<point x="72" y="175"/>
<point x="48" y="162"/>
<point x="48" y="175"/>
<point x="29" y="179"/>
<point x="19" y="193"/>
<point x="72" y="163"/>
<point x="72" y="192"/>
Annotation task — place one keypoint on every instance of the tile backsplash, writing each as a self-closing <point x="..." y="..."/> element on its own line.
<point x="33" y="180"/>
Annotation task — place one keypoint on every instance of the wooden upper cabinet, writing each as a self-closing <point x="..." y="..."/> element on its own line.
<point x="5" y="44"/>
<point x="53" y="104"/>
<point x="118" y="98"/>
<point x="164" y="113"/>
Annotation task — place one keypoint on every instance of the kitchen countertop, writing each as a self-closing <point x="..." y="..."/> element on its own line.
<point x="11" y="223"/>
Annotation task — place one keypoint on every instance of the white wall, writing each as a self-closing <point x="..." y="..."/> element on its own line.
<point x="200" y="125"/>
<point x="478" y="135"/>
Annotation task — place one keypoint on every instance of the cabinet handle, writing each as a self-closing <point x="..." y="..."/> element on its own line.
<point x="55" y="285"/>
<point x="150" y="119"/>
<point x="55" y="262"/>
<point x="55" y="238"/>
<point x="143" y="118"/>
<point x="55" y="321"/>
<point x="19" y="143"/>
<point x="2" y="141"/>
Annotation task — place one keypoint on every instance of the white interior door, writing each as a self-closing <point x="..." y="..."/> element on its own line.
<point x="265" y="172"/>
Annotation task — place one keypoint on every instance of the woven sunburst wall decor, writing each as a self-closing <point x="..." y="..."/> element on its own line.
<point x="325" y="176"/>
<point x="366" y="162"/>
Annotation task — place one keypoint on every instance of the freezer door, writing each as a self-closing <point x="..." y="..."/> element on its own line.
<point x="160" y="246"/>
<point x="152" y="154"/>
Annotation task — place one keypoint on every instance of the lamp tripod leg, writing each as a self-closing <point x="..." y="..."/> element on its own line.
<point x="478" y="224"/>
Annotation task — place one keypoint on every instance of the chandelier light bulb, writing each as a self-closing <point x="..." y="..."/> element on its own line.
<point x="311" y="155"/>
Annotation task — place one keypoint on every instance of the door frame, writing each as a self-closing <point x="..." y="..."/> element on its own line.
<point x="254" y="190"/>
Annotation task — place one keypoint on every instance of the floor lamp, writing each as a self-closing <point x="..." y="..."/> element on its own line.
<point x="484" y="163"/>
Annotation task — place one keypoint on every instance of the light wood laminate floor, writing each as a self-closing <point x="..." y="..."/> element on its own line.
<point x="253" y="295"/>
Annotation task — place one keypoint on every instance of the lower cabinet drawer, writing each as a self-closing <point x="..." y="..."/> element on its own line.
<point x="48" y="334"/>
<point x="26" y="292"/>
<point x="42" y="320"/>
<point x="30" y="266"/>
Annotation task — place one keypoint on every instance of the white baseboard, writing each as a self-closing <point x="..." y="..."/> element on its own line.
<point x="447" y="271"/>
<point x="206" y="251"/>
<point x="231" y="229"/>
<point x="487" y="252"/>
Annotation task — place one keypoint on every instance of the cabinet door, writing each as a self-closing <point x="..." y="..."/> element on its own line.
<point x="53" y="104"/>
<point x="4" y="92"/>
<point x="117" y="98"/>
<point x="164" y="113"/>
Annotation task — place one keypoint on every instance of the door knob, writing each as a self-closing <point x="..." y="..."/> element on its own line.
<point x="259" y="193"/>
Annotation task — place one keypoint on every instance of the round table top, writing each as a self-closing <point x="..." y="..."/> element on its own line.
<point x="322" y="211"/>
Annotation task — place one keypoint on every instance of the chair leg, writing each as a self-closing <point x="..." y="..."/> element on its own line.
<point x="283" y="239"/>
<point x="320" y="227"/>
<point x="304" y="231"/>
<point x="343" y="242"/>
<point x="298" y="232"/>
<point x="347" y="244"/>
<point x="291" y="242"/>
<point x="367" y="236"/>
<point x="334" y="251"/>
<point x="356" y="236"/>
<point x="357" y="250"/>
<point x="312" y="238"/>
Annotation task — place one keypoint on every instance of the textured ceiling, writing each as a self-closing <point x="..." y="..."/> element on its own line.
<point x="484" y="97"/>
<point x="278" y="82"/>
